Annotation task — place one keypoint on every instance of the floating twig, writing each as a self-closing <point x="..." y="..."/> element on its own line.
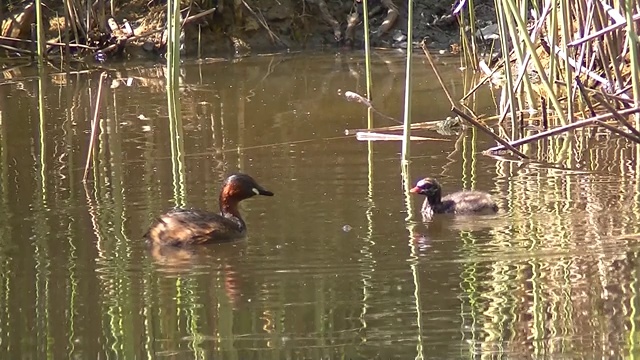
<point x="427" y="125"/>
<point x="372" y="136"/>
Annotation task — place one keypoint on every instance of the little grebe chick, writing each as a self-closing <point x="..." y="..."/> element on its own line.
<point x="461" y="202"/>
<point x="192" y="226"/>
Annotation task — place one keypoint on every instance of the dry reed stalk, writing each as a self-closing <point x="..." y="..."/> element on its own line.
<point x="578" y="124"/>
<point x="466" y="117"/>
<point x="94" y="125"/>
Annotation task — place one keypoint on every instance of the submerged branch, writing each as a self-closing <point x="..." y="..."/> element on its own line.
<point x="578" y="124"/>
<point x="488" y="132"/>
<point x="427" y="125"/>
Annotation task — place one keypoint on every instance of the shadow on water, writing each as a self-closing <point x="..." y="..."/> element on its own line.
<point x="329" y="268"/>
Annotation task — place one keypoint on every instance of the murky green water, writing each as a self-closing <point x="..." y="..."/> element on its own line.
<point x="555" y="273"/>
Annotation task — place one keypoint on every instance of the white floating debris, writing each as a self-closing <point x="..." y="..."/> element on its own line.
<point x="370" y="136"/>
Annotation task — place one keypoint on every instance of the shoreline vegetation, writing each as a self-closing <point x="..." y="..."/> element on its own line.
<point x="560" y="66"/>
<point x="136" y="29"/>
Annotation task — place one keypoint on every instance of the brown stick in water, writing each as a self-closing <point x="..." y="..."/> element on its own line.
<point x="578" y="124"/>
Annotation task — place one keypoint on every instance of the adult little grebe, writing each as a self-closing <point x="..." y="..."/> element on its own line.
<point x="461" y="202"/>
<point x="192" y="226"/>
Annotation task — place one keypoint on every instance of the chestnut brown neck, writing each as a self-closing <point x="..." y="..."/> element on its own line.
<point x="229" y="206"/>
<point x="229" y="200"/>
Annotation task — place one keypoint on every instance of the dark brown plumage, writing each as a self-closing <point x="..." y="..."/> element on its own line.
<point x="461" y="202"/>
<point x="192" y="226"/>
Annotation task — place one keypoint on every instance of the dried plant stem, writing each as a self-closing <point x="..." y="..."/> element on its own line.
<point x="151" y="32"/>
<point x="94" y="125"/>
<point x="578" y="124"/>
<point x="465" y="116"/>
<point x="617" y="115"/>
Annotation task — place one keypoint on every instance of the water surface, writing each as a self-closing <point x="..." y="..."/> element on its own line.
<point x="336" y="264"/>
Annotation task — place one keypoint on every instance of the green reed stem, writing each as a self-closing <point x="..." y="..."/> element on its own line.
<point x="41" y="136"/>
<point x="522" y="60"/>
<point x="367" y="257"/>
<point x="177" y="146"/>
<point x="531" y="48"/>
<point x="552" y="33"/>
<point x="406" y="177"/>
<point x="510" y="91"/>
<point x="366" y="274"/>
<point x="633" y="313"/>
<point x="565" y="24"/>
<point x="42" y="255"/>
<point x="414" y="256"/>
<point x="199" y="42"/>
<point x="474" y="29"/>
<point x="367" y="53"/>
<point x="40" y="32"/>
<point x="633" y="52"/>
<point x="173" y="100"/>
<point x="408" y="87"/>
<point x="173" y="41"/>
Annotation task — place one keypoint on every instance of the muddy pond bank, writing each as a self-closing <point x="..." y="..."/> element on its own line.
<point x="134" y="29"/>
